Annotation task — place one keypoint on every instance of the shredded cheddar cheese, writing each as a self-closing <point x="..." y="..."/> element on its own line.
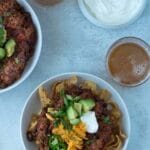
<point x="74" y="138"/>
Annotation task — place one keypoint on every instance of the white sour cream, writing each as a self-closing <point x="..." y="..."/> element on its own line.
<point x="114" y="12"/>
<point x="90" y="120"/>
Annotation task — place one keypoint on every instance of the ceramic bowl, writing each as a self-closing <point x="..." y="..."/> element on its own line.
<point x="33" y="105"/>
<point x="33" y="61"/>
<point x="90" y="17"/>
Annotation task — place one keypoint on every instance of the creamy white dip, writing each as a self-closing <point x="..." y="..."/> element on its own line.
<point x="114" y="12"/>
<point x="90" y="120"/>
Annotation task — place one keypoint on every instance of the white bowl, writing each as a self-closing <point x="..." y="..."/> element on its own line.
<point x="33" y="105"/>
<point x="98" y="23"/>
<point x="33" y="61"/>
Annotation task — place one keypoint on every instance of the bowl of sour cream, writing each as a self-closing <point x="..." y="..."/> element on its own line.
<point x="112" y="13"/>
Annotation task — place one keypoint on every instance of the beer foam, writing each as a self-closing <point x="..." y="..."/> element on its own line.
<point x="140" y="69"/>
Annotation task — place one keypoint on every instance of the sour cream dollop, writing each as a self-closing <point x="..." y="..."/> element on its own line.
<point x="90" y="120"/>
<point x="114" y="12"/>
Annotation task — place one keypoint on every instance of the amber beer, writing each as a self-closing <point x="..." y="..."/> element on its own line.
<point x="129" y="63"/>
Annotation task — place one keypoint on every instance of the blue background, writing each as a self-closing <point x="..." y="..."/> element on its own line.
<point x="71" y="43"/>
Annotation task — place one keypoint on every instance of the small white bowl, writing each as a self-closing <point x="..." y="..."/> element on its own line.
<point x="33" y="105"/>
<point x="98" y="23"/>
<point x="33" y="61"/>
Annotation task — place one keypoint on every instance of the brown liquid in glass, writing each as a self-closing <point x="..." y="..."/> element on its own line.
<point x="129" y="63"/>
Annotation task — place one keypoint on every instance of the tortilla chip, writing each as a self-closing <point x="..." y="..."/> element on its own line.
<point x="72" y="80"/>
<point x="33" y="123"/>
<point x="89" y="85"/>
<point x="44" y="98"/>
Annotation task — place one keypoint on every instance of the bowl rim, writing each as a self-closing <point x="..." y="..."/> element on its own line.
<point x="37" y="51"/>
<point x="97" y="23"/>
<point x="123" y="40"/>
<point x="94" y="77"/>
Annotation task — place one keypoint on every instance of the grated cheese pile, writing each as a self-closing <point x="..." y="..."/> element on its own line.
<point x="74" y="138"/>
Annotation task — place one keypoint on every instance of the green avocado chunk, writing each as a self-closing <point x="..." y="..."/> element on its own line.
<point x="71" y="113"/>
<point x="78" y="108"/>
<point x="10" y="47"/>
<point x="75" y="121"/>
<point x="3" y="35"/>
<point x="2" y="53"/>
<point x="87" y="104"/>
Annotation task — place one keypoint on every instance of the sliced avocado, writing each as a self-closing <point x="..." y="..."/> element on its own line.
<point x="69" y="97"/>
<point x="71" y="113"/>
<point x="78" y="108"/>
<point x="87" y="104"/>
<point x="2" y="53"/>
<point x="75" y="121"/>
<point x="10" y="47"/>
<point x="3" y="35"/>
<point x="77" y="98"/>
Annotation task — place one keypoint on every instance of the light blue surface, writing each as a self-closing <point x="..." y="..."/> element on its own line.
<point x="71" y="43"/>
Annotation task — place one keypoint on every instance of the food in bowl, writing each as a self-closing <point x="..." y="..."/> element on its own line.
<point x="17" y="41"/>
<point x="76" y="115"/>
<point x="129" y="61"/>
<point x="112" y="13"/>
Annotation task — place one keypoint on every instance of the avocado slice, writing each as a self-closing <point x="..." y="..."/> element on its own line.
<point x="10" y="47"/>
<point x="2" y="53"/>
<point x="69" y="97"/>
<point x="75" y="121"/>
<point x="87" y="104"/>
<point x="71" y="113"/>
<point x="3" y="35"/>
<point x="78" y="108"/>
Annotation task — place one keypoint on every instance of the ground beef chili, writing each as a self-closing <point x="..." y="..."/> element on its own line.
<point x="39" y="134"/>
<point x="19" y="26"/>
<point x="98" y="140"/>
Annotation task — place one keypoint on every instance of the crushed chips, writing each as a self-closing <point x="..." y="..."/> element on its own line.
<point x="44" y="98"/>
